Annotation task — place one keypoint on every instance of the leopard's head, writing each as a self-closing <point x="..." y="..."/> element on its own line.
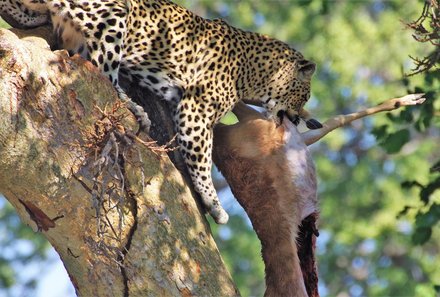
<point x="289" y="89"/>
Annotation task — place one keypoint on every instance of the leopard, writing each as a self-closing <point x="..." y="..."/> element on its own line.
<point x="20" y="16"/>
<point x="202" y="67"/>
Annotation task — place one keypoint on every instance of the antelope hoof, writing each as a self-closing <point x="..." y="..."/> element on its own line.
<point x="313" y="124"/>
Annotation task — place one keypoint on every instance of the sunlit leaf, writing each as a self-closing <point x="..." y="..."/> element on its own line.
<point x="394" y="142"/>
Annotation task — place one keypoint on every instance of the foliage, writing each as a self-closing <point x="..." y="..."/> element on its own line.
<point x="20" y="248"/>
<point x="426" y="29"/>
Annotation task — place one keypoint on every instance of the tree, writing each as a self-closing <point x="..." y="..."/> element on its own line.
<point x="112" y="204"/>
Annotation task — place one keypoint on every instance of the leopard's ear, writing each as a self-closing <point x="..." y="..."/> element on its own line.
<point x="306" y="69"/>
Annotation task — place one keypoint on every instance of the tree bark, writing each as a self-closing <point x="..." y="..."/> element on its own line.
<point x="121" y="217"/>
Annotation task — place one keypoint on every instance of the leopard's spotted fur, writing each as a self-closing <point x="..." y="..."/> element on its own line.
<point x="202" y="67"/>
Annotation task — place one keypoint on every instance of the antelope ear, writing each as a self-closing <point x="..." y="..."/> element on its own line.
<point x="306" y="70"/>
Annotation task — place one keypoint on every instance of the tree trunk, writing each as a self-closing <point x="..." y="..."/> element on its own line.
<point x="121" y="217"/>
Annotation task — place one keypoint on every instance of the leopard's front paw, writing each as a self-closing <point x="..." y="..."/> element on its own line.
<point x="219" y="215"/>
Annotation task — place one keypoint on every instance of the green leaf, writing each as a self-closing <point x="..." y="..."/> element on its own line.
<point x="430" y="76"/>
<point x="408" y="184"/>
<point x="435" y="167"/>
<point x="429" y="189"/>
<point x="405" y="81"/>
<point x="404" y="211"/>
<point x="435" y="209"/>
<point x="394" y="142"/>
<point x="407" y="115"/>
<point x="380" y="132"/>
<point x="427" y="111"/>
<point x="427" y="219"/>
<point x="421" y="235"/>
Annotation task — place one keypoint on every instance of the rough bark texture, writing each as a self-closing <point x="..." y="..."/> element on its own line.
<point x="121" y="217"/>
